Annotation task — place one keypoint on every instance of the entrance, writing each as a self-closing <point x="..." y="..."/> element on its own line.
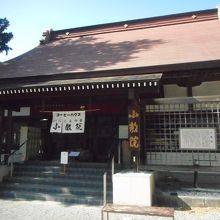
<point x="104" y="114"/>
<point x="95" y="144"/>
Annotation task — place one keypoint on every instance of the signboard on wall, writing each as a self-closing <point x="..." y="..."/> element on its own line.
<point x="134" y="127"/>
<point x="68" y="122"/>
<point x="198" y="138"/>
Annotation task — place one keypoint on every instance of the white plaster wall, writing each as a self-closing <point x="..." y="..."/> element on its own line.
<point x="172" y="91"/>
<point x="207" y="88"/>
<point x="24" y="111"/>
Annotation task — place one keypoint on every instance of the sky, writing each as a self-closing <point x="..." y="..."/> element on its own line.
<point x="29" y="19"/>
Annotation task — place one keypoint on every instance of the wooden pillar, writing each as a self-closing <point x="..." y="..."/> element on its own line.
<point x="189" y="91"/>
<point x="189" y="94"/>
<point x="1" y="129"/>
<point x="9" y="132"/>
<point x="142" y="133"/>
<point x="134" y="129"/>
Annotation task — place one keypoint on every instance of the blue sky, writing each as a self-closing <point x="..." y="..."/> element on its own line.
<point x="28" y="19"/>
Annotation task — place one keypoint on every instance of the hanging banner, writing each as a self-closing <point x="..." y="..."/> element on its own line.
<point x="68" y="122"/>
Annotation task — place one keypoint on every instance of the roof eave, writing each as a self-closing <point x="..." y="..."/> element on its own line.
<point x="201" y="65"/>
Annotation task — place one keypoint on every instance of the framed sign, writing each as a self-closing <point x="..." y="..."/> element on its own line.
<point x="197" y="138"/>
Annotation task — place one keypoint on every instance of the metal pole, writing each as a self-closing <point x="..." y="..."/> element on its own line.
<point x="113" y="166"/>
<point x="138" y="161"/>
<point x="104" y="188"/>
<point x="134" y="162"/>
<point x="12" y="165"/>
<point x="119" y="152"/>
<point x="64" y="168"/>
<point x="195" y="179"/>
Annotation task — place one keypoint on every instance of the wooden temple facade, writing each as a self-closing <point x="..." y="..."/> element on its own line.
<point x="154" y="77"/>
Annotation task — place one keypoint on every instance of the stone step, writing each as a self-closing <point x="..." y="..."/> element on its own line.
<point x="44" y="196"/>
<point x="91" y="183"/>
<point x="59" y="169"/>
<point x="44" y="188"/>
<point x="50" y="174"/>
<point x="81" y="184"/>
<point x="71" y="164"/>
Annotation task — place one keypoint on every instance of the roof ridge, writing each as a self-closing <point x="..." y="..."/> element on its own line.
<point x="175" y="19"/>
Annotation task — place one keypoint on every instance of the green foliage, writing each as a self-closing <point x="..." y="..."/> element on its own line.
<point x="4" y="36"/>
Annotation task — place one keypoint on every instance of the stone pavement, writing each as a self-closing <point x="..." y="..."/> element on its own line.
<point x="39" y="210"/>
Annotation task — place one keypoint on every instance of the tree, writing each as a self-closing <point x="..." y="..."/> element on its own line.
<point x="4" y="36"/>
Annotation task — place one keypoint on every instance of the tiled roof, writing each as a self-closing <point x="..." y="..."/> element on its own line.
<point x="180" y="40"/>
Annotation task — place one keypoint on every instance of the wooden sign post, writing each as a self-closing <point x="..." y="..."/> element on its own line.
<point x="134" y="132"/>
<point x="64" y="161"/>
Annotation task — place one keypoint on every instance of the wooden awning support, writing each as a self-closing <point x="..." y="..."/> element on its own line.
<point x="88" y="110"/>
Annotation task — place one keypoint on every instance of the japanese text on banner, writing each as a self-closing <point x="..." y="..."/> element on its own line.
<point x="68" y="122"/>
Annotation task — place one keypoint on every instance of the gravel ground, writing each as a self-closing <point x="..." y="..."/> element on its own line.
<point x="37" y="210"/>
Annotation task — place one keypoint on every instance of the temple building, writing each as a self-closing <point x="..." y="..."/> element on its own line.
<point x="149" y="89"/>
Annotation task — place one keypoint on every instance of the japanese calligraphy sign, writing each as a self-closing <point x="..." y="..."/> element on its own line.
<point x="68" y="122"/>
<point x="134" y="127"/>
<point x="57" y="122"/>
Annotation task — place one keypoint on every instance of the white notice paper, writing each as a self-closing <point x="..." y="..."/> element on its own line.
<point x="64" y="157"/>
<point x="198" y="138"/>
<point x="68" y="122"/>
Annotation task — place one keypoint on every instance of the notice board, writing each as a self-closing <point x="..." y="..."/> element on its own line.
<point x="197" y="138"/>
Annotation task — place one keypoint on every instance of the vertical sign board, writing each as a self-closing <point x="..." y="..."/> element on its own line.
<point x="64" y="157"/>
<point x="134" y="127"/>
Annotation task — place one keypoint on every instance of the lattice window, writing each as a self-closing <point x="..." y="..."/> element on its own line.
<point x="162" y="124"/>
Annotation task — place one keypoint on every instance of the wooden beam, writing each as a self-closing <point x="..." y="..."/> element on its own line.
<point x="86" y="110"/>
<point x="181" y="100"/>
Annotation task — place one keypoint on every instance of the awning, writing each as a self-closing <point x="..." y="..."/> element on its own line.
<point x="110" y="82"/>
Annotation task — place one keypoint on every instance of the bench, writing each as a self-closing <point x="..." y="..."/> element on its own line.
<point x="137" y="210"/>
